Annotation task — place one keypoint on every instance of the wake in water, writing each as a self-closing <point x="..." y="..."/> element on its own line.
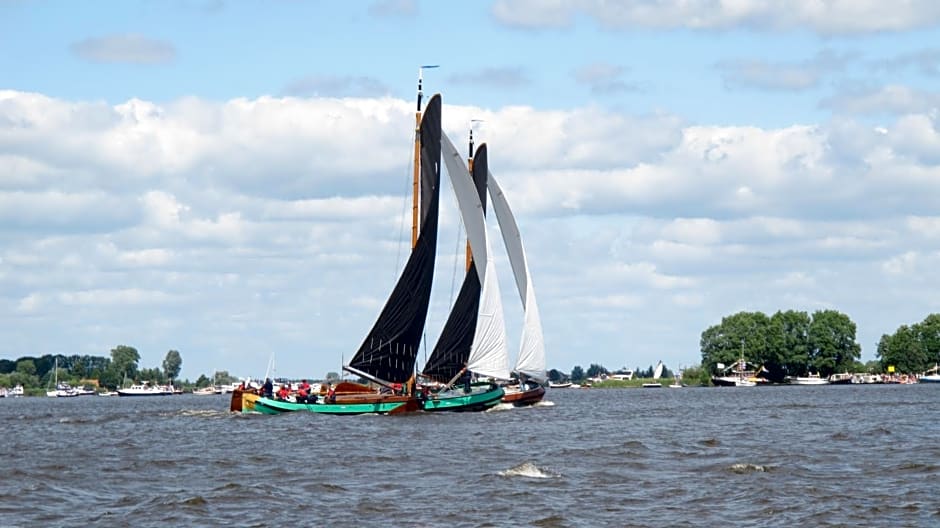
<point x="199" y="413"/>
<point x="528" y="470"/>
<point x="500" y="407"/>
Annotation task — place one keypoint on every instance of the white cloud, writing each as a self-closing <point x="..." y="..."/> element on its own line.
<point x="901" y="264"/>
<point x="888" y="99"/>
<point x="264" y="231"/>
<point x="834" y="17"/>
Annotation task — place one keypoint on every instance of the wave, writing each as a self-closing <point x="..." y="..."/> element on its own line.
<point x="528" y="470"/>
<point x="749" y="468"/>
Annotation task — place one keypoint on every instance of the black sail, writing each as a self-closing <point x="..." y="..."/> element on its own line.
<point x="453" y="346"/>
<point x="390" y="349"/>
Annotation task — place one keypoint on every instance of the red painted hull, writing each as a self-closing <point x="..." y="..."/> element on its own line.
<point x="527" y="397"/>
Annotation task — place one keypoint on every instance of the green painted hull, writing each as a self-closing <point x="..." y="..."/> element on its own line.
<point x="479" y="399"/>
<point x="270" y="406"/>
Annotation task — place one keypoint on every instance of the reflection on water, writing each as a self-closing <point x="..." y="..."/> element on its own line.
<point x="771" y="456"/>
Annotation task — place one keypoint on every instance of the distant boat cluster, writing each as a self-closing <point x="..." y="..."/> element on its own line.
<point x="14" y="392"/>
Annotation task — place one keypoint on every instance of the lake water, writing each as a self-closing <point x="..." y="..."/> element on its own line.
<point x="767" y="456"/>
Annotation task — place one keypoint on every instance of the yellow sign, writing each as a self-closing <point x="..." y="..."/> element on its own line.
<point x="890" y="369"/>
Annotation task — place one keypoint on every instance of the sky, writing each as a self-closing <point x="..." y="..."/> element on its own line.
<point x="231" y="179"/>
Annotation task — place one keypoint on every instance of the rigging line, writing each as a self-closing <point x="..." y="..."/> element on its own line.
<point x="403" y="214"/>
<point x="457" y="259"/>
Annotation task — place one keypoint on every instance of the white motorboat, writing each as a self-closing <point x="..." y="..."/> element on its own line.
<point x="811" y="379"/>
<point x="931" y="376"/>
<point x="146" y="389"/>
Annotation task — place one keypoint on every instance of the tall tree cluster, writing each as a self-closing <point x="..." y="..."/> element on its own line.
<point x="912" y="349"/>
<point x="789" y="343"/>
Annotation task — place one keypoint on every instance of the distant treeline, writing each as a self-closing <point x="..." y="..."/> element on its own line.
<point x="795" y="343"/>
<point x="33" y="372"/>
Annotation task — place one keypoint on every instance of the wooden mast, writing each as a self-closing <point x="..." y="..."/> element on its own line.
<point x="415" y="189"/>
<point x="470" y="170"/>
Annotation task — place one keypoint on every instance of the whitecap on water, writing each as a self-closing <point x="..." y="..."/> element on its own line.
<point x="749" y="468"/>
<point x="526" y="469"/>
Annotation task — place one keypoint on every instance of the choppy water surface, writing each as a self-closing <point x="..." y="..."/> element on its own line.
<point x="768" y="456"/>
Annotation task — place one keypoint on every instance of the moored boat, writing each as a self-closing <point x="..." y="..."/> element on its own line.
<point x="810" y="379"/>
<point x="843" y="378"/>
<point x="931" y="375"/>
<point x="146" y="389"/>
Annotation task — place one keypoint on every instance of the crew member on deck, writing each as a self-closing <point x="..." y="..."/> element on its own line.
<point x="267" y="390"/>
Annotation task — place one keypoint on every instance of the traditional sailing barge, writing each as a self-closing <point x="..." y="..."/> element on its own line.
<point x="473" y="341"/>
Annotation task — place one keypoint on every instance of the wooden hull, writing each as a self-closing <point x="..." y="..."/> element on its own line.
<point x="529" y="396"/>
<point x="478" y="399"/>
<point x="349" y="404"/>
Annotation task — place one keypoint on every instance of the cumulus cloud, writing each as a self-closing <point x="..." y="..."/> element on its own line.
<point x="889" y="99"/>
<point x="127" y="49"/>
<point x="835" y="17"/>
<point x="248" y="224"/>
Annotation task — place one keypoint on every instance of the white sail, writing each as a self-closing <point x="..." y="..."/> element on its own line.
<point x="489" y="353"/>
<point x="658" y="373"/>
<point x="531" y="360"/>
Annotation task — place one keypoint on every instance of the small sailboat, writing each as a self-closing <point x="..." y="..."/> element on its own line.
<point x="473" y="341"/>
<point x="61" y="390"/>
<point x="657" y="373"/>
<point x="388" y="354"/>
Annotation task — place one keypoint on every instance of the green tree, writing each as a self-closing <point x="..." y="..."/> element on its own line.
<point x="7" y="366"/>
<point x="172" y="364"/>
<point x="789" y="340"/>
<point x="151" y="374"/>
<point x="742" y="334"/>
<point x="832" y="342"/>
<point x="555" y="375"/>
<point x="332" y="376"/>
<point x="696" y="376"/>
<point x="124" y="359"/>
<point x="928" y="332"/>
<point x="577" y="373"/>
<point x="26" y="366"/>
<point x="903" y="350"/>
<point x="596" y="370"/>
<point x="78" y="368"/>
